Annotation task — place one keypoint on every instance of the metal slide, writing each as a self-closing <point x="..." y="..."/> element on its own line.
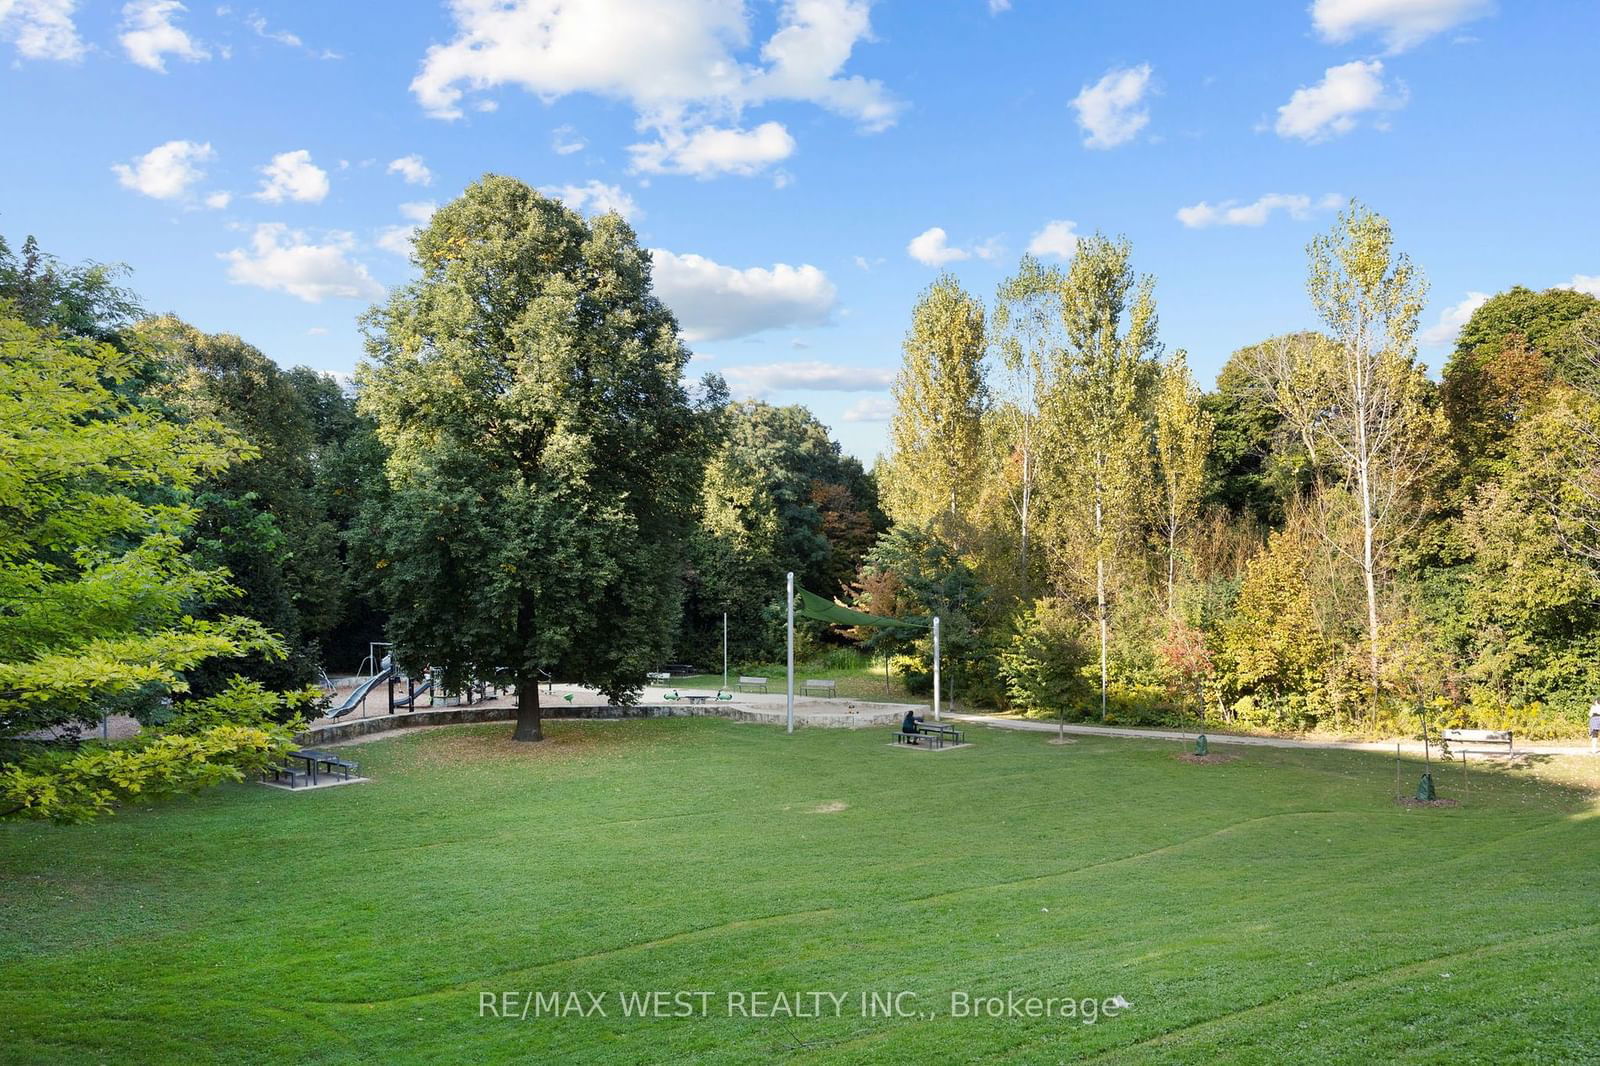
<point x="354" y="699"/>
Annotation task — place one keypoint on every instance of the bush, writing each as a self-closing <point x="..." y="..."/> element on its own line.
<point x="1043" y="665"/>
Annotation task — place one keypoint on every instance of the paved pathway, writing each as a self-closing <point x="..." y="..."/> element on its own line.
<point x="1177" y="736"/>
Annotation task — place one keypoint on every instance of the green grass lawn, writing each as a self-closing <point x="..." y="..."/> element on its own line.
<point x="857" y="678"/>
<point x="1278" y="907"/>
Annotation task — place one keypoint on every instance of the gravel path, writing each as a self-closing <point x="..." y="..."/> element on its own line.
<point x="1177" y="736"/>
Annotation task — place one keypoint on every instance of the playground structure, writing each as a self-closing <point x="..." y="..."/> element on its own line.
<point x="379" y="668"/>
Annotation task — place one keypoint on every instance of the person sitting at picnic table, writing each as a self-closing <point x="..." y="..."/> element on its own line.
<point x="910" y="722"/>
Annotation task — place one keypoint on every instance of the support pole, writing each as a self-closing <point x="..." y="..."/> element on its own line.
<point x="790" y="687"/>
<point x="935" y="668"/>
<point x="724" y="651"/>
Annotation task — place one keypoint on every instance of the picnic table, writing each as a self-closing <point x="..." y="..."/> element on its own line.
<point x="936" y="733"/>
<point x="316" y="760"/>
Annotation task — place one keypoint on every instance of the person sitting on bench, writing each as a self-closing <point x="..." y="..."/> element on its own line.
<point x="910" y="723"/>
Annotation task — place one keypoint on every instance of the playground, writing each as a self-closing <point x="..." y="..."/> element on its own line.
<point x="692" y="853"/>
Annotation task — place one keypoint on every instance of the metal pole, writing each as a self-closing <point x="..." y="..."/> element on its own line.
<point x="790" y="688"/>
<point x="724" y="651"/>
<point x="935" y="668"/>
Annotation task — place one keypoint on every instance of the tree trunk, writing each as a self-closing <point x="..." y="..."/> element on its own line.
<point x="1172" y="564"/>
<point x="1369" y="577"/>
<point x="529" y="725"/>
<point x="1100" y="597"/>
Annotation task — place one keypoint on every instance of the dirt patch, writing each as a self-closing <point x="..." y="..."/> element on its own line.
<point x="1412" y="801"/>
<point x="1059" y="741"/>
<point x="831" y="807"/>
<point x="1212" y="759"/>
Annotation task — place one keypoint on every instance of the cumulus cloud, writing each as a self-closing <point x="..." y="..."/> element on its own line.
<point x="1234" y="213"/>
<point x="759" y="380"/>
<point x="149" y="34"/>
<point x="595" y="198"/>
<point x="932" y="247"/>
<point x="564" y="140"/>
<point x="412" y="169"/>
<point x="1451" y="319"/>
<point x="685" y="66"/>
<point x="166" y="171"/>
<point x="1401" y="23"/>
<point x="218" y="200"/>
<point x="283" y="260"/>
<point x="1330" y="108"/>
<point x="714" y="302"/>
<point x="1056" y="239"/>
<point x="293" y="176"/>
<point x="1589" y="283"/>
<point x="397" y="239"/>
<point x="1110" y="111"/>
<point x="41" y="29"/>
<point x="870" y="409"/>
<point x="713" y="150"/>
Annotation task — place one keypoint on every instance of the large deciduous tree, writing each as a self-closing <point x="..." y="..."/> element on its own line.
<point x="1358" y="402"/>
<point x="545" y="457"/>
<point x="1183" y="442"/>
<point x="98" y="594"/>
<point x="1097" y="418"/>
<point x="940" y="395"/>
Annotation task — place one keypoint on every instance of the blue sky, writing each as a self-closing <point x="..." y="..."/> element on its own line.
<point x="259" y="166"/>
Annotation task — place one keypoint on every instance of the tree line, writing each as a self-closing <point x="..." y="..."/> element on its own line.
<point x="522" y="484"/>
<point x="1328" y="539"/>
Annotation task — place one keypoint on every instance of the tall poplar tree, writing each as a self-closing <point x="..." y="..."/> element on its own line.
<point x="1357" y="402"/>
<point x="937" y="430"/>
<point x="545" y="457"/>
<point x="1097" y="417"/>
<point x="1183" y="444"/>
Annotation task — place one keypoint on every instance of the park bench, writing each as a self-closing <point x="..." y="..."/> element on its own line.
<point x="1489" y="741"/>
<point x="752" y="684"/>
<point x="659" y="677"/>
<point x="825" y="688"/>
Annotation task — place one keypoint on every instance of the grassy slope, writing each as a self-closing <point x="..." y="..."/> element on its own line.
<point x="1276" y="907"/>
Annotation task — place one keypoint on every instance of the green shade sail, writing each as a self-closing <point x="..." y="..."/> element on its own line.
<point x="814" y="606"/>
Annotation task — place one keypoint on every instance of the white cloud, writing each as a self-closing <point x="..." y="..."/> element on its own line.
<point x="713" y="150"/>
<point x="1329" y="108"/>
<point x="1401" y="23"/>
<point x="1589" y="283"/>
<point x="166" y="171"/>
<point x="149" y="34"/>
<point x="1233" y="213"/>
<point x="758" y="380"/>
<point x="317" y="331"/>
<point x="867" y="264"/>
<point x="397" y="239"/>
<point x="1451" y="319"/>
<point x="283" y="260"/>
<point x="932" y="247"/>
<point x="997" y="6"/>
<point x="261" y="29"/>
<point x="683" y="65"/>
<point x="41" y="29"/>
<point x="218" y="200"/>
<point x="564" y="140"/>
<point x="595" y="198"/>
<point x="293" y="176"/>
<point x="1109" y="110"/>
<point x="412" y="169"/>
<point x="870" y="409"/>
<point x="1055" y="239"/>
<point x="715" y="302"/>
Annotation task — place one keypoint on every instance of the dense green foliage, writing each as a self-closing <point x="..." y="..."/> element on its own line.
<point x="1274" y="909"/>
<point x="1328" y="540"/>
<point x="544" y="457"/>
